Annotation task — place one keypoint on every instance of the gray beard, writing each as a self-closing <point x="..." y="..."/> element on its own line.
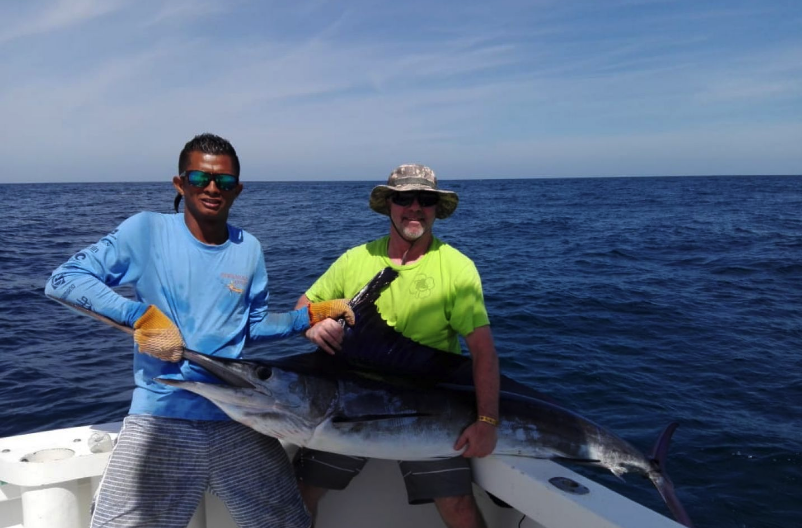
<point x="412" y="234"/>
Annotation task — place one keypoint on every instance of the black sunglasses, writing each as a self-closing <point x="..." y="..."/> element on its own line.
<point x="200" y="179"/>
<point x="425" y="199"/>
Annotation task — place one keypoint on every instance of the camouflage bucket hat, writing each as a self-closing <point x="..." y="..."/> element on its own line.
<point x="413" y="178"/>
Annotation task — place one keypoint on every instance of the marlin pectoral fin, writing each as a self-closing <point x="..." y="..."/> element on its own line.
<point x="586" y="461"/>
<point x="374" y="417"/>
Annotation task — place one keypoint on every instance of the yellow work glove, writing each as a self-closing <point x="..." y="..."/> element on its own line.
<point x="158" y="336"/>
<point x="330" y="310"/>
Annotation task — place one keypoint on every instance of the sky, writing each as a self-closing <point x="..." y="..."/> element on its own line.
<point x="111" y="90"/>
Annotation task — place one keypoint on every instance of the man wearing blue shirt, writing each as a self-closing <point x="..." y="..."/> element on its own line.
<point x="199" y="283"/>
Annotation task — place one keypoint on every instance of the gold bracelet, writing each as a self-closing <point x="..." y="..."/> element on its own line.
<point x="488" y="420"/>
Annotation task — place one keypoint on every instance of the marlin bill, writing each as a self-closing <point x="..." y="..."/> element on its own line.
<point x="312" y="401"/>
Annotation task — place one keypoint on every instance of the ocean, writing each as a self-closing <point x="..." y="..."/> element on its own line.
<point x="635" y="301"/>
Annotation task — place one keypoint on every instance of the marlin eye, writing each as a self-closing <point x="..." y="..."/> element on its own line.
<point x="264" y="373"/>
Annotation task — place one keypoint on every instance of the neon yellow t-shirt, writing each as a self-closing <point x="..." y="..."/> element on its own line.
<point x="433" y="300"/>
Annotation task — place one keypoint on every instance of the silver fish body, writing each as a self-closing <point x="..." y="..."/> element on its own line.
<point x="354" y="414"/>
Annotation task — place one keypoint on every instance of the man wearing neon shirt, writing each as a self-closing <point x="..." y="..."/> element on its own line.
<point x="436" y="298"/>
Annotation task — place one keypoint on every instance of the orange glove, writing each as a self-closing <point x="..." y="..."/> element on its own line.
<point x="158" y="336"/>
<point x="330" y="310"/>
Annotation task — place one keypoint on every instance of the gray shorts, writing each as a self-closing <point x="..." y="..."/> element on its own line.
<point x="425" y="480"/>
<point x="161" y="467"/>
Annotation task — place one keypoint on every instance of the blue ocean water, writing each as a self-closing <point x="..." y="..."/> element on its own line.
<point x="636" y="301"/>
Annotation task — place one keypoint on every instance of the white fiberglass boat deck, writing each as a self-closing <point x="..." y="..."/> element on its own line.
<point x="47" y="480"/>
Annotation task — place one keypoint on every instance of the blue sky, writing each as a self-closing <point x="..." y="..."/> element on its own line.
<point x="95" y="90"/>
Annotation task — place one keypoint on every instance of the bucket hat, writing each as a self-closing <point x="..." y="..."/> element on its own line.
<point x="413" y="177"/>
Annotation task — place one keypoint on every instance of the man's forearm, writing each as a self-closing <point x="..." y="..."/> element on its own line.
<point x="485" y="371"/>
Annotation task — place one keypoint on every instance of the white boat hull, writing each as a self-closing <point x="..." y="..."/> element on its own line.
<point x="47" y="480"/>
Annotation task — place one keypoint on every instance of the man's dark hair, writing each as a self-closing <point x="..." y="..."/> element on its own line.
<point x="207" y="144"/>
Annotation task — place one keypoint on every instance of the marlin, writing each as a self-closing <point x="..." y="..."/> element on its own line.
<point x="352" y="405"/>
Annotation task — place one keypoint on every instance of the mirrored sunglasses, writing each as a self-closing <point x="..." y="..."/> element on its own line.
<point x="200" y="179"/>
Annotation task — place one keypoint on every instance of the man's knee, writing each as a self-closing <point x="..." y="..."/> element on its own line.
<point x="460" y="512"/>
<point x="460" y="503"/>
<point x="311" y="496"/>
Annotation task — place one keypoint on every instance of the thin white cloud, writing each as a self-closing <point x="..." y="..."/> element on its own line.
<point x="56" y="16"/>
<point x="185" y="10"/>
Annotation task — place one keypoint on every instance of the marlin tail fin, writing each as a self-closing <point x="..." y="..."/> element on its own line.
<point x="660" y="478"/>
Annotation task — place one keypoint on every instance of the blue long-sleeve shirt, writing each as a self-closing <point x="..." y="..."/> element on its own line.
<point x="216" y="295"/>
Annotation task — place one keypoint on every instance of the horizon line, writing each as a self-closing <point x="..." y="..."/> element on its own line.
<point x="439" y="179"/>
